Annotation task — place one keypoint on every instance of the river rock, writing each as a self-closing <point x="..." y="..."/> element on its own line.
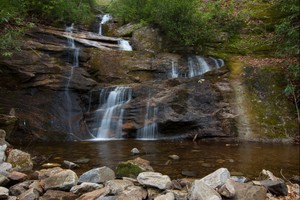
<point x="96" y="194"/>
<point x="29" y="194"/>
<point x="58" y="195"/>
<point x="168" y="196"/>
<point x="132" y="168"/>
<point x="179" y="194"/>
<point x="201" y="191"/>
<point x="247" y="191"/>
<point x="18" y="189"/>
<point x="217" y="178"/>
<point x="133" y="193"/>
<point x="5" y="168"/>
<point x="2" y="153"/>
<point x="43" y="174"/>
<point x="98" y="175"/>
<point x="70" y="165"/>
<point x="51" y="165"/>
<point x="62" y="180"/>
<point x="240" y="179"/>
<point x="278" y="188"/>
<point x="117" y="186"/>
<point x="85" y="187"/>
<point x="20" y="160"/>
<point x="135" y="151"/>
<point x="37" y="185"/>
<point x="4" y="193"/>
<point x="174" y="157"/>
<point x="227" y="190"/>
<point x="17" y="176"/>
<point x="155" y="179"/>
<point x="3" y="180"/>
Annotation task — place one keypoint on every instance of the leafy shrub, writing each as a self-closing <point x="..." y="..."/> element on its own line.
<point x="188" y="23"/>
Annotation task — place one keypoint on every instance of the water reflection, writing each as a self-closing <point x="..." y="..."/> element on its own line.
<point x="200" y="158"/>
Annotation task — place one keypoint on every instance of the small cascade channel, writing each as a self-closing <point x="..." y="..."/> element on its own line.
<point x="73" y="59"/>
<point x="150" y="129"/>
<point x="196" y="66"/>
<point x="105" y="18"/>
<point x="109" y="115"/>
<point x="124" y="45"/>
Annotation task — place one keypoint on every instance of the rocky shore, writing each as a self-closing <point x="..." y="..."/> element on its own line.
<point x="133" y="179"/>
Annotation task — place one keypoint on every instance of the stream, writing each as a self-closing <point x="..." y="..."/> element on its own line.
<point x="198" y="158"/>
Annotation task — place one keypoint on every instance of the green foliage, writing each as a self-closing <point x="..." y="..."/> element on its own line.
<point x="188" y="23"/>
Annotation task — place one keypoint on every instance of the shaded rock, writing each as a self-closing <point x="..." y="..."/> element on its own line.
<point x="70" y="165"/>
<point x="94" y="194"/>
<point x="135" y="151"/>
<point x="20" y="160"/>
<point x="133" y="193"/>
<point x="2" y="152"/>
<point x="17" y="176"/>
<point x="29" y="194"/>
<point x="18" y="189"/>
<point x="85" y="187"/>
<point x="97" y="175"/>
<point x="179" y="195"/>
<point x="201" y="191"/>
<point x="3" y="180"/>
<point x="278" y="188"/>
<point x="4" y="193"/>
<point x="62" y="180"/>
<point x="227" y="190"/>
<point x="117" y="186"/>
<point x="132" y="168"/>
<point x="168" y="196"/>
<point x="58" y="195"/>
<point x="152" y="192"/>
<point x="155" y="179"/>
<point x="217" y="178"/>
<point x="247" y="191"/>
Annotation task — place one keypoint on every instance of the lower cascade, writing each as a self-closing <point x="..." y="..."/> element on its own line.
<point x="110" y="112"/>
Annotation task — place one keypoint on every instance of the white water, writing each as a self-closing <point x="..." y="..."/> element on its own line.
<point x="111" y="107"/>
<point x="174" y="73"/>
<point x="150" y="129"/>
<point x="104" y="20"/>
<point x="124" y="45"/>
<point x="197" y="66"/>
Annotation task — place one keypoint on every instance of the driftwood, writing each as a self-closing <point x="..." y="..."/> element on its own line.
<point x="86" y="38"/>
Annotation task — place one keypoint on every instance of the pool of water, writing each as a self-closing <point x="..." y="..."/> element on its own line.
<point x="200" y="158"/>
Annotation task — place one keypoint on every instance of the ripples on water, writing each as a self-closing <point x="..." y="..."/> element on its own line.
<point x="200" y="158"/>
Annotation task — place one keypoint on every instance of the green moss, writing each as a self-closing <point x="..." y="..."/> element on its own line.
<point x="128" y="170"/>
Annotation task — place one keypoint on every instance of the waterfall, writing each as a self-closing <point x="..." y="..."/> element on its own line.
<point x="75" y="63"/>
<point x="218" y="62"/>
<point x="124" y="45"/>
<point x="174" y="72"/>
<point x="197" y="66"/>
<point x="110" y="111"/>
<point x="150" y="129"/>
<point x="104" y="20"/>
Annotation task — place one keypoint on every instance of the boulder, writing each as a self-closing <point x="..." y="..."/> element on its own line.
<point x="135" y="151"/>
<point x="117" y="186"/>
<point x="58" y="195"/>
<point x="248" y="191"/>
<point x="96" y="194"/>
<point x="62" y="180"/>
<point x="155" y="179"/>
<point x="5" y="168"/>
<point x="167" y="196"/>
<point x="277" y="187"/>
<point x="147" y="39"/>
<point x="133" y="193"/>
<point x="201" y="191"/>
<point x="17" y="176"/>
<point x="132" y="168"/>
<point x="4" y="193"/>
<point x="217" y="178"/>
<point x="29" y="194"/>
<point x="37" y="185"/>
<point x="85" y="187"/>
<point x="97" y="175"/>
<point x="227" y="190"/>
<point x="179" y="194"/>
<point x="20" y="188"/>
<point x="20" y="160"/>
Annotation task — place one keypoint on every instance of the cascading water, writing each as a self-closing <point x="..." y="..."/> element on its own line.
<point x="218" y="62"/>
<point x="197" y="66"/>
<point x="174" y="72"/>
<point x="75" y="63"/>
<point x="150" y="129"/>
<point x="104" y="20"/>
<point x="124" y="45"/>
<point x="111" y="112"/>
